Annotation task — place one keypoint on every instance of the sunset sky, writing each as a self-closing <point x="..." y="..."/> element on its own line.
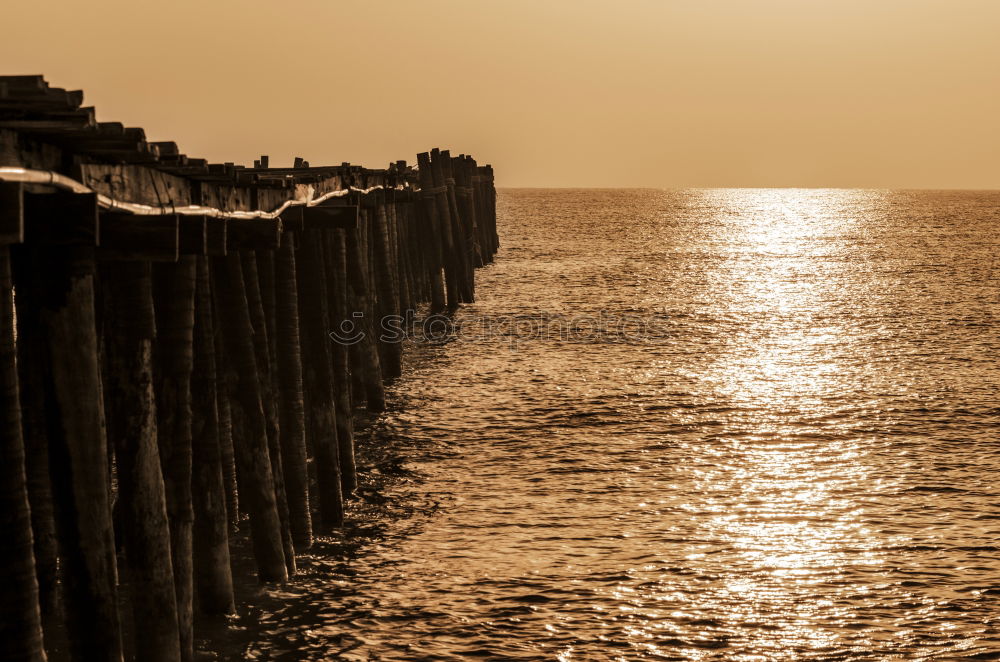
<point x="657" y="93"/>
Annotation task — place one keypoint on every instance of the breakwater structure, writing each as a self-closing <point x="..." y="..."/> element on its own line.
<point x="168" y="361"/>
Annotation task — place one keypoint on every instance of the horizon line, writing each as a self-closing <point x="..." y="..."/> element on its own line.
<point x="710" y="188"/>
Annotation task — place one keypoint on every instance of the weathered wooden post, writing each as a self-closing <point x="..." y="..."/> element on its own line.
<point x="392" y="222"/>
<point x="266" y="371"/>
<point x="466" y="193"/>
<point x="291" y="395"/>
<point x="387" y="293"/>
<point x="63" y="281"/>
<point x="462" y="229"/>
<point x="174" y="287"/>
<point x="401" y="242"/>
<point x="251" y="448"/>
<point x="487" y="227"/>
<point x="484" y="239"/>
<point x="321" y="415"/>
<point x="362" y="311"/>
<point x="268" y="298"/>
<point x="149" y="352"/>
<point x="20" y="615"/>
<point x="212" y="569"/>
<point x="337" y="287"/>
<point x="132" y="418"/>
<point x="438" y="236"/>
<point x="217" y="245"/>
<point x="30" y="350"/>
<point x="410" y="248"/>
<point x="491" y="206"/>
<point x="454" y="270"/>
<point x="266" y="272"/>
<point x="224" y="384"/>
<point x="398" y="207"/>
<point x="420" y="253"/>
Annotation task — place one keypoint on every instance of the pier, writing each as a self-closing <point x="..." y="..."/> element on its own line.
<point x="169" y="364"/>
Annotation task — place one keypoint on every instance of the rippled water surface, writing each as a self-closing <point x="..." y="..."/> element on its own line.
<point x="789" y="451"/>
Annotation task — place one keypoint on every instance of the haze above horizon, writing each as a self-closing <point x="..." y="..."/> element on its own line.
<point x="562" y="93"/>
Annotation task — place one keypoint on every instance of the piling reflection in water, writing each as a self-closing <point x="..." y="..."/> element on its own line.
<point x="802" y="467"/>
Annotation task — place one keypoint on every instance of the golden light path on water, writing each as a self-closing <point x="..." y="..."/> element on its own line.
<point x="796" y="461"/>
<point x="788" y="521"/>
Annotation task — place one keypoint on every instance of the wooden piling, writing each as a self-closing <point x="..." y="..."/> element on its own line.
<point x="466" y="194"/>
<point x="462" y="229"/>
<point x="430" y="253"/>
<point x="132" y="426"/>
<point x="321" y="415"/>
<point x="491" y="205"/>
<point x="174" y="290"/>
<point x="392" y="225"/>
<point x="266" y="372"/>
<point x="20" y="614"/>
<point x="30" y="348"/>
<point x="438" y="233"/>
<point x="401" y="238"/>
<point x="387" y="292"/>
<point x="360" y="297"/>
<point x="229" y="363"/>
<point x="454" y="269"/>
<point x="212" y="569"/>
<point x="63" y="274"/>
<point x="291" y="395"/>
<point x="225" y="381"/>
<point x="251" y="447"/>
<point x="336" y="264"/>
<point x="78" y="454"/>
<point x="410" y="257"/>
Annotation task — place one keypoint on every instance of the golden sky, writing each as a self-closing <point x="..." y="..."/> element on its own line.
<point x="658" y="93"/>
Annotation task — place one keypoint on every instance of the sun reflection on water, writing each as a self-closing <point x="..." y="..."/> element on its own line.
<point x="775" y="502"/>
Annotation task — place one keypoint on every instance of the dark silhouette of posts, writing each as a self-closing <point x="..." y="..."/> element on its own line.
<point x="387" y="290"/>
<point x="219" y="371"/>
<point x="224" y="380"/>
<point x="30" y="353"/>
<point x="212" y="570"/>
<point x="360" y="297"/>
<point x="437" y="236"/>
<point x="336" y="265"/>
<point x="461" y="227"/>
<point x="443" y="224"/>
<point x="251" y="448"/>
<point x="174" y="300"/>
<point x="269" y="396"/>
<point x="132" y="418"/>
<point x="321" y="415"/>
<point x="64" y="229"/>
<point x="20" y="614"/>
<point x="465" y="193"/>
<point x="292" y="406"/>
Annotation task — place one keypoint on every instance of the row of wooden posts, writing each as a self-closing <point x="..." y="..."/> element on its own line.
<point x="170" y="373"/>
